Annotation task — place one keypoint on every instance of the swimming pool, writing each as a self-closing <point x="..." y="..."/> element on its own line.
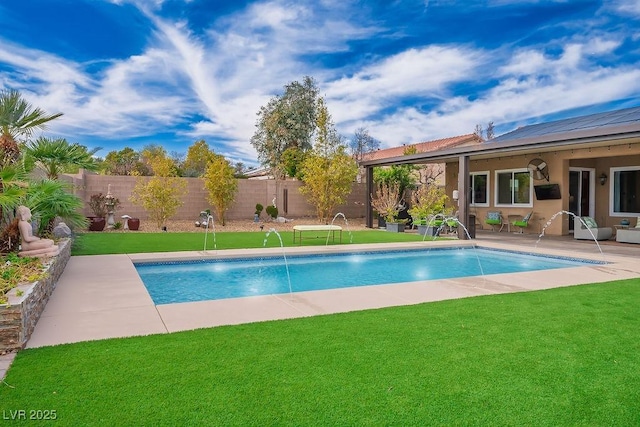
<point x="188" y="281"/>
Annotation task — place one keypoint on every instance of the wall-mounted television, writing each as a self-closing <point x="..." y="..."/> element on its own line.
<point x="547" y="192"/>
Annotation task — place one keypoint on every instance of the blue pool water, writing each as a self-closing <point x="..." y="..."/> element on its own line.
<point x="186" y="281"/>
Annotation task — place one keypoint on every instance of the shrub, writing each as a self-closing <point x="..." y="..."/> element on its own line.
<point x="272" y="211"/>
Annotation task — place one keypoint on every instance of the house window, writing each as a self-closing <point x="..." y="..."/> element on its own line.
<point x="625" y="188"/>
<point x="479" y="184"/>
<point x="513" y="188"/>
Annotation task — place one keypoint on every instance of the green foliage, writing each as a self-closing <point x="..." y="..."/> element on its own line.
<point x="287" y="121"/>
<point x="427" y="200"/>
<point x="398" y="175"/>
<point x="220" y="182"/>
<point x="328" y="172"/>
<point x="18" y="119"/>
<point x="259" y="209"/>
<point x="198" y="156"/>
<point x="123" y="162"/>
<point x="292" y="160"/>
<point x="272" y="211"/>
<point x="55" y="156"/>
<point x="161" y="194"/>
<point x="49" y="199"/>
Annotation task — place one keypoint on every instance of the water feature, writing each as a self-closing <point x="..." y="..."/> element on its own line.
<point x="432" y="222"/>
<point x="206" y="232"/>
<point x="346" y="223"/>
<point x="562" y="212"/>
<point x="447" y="221"/>
<point x="284" y="255"/>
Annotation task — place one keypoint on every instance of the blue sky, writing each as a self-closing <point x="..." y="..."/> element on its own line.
<point x="138" y="72"/>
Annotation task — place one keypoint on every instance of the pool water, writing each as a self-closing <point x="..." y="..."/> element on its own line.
<point x="187" y="281"/>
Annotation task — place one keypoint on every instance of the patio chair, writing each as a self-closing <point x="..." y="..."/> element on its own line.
<point x="494" y="218"/>
<point x="523" y="223"/>
<point x="591" y="230"/>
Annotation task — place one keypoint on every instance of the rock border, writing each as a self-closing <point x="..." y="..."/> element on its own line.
<point x="19" y="316"/>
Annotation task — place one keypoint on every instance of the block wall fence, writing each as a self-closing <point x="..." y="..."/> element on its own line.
<point x="289" y="201"/>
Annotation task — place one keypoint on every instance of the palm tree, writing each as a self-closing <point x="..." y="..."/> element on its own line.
<point x="18" y="119"/>
<point x="57" y="155"/>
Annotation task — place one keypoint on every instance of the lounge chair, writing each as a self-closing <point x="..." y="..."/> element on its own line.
<point x="523" y="223"/>
<point x="494" y="218"/>
<point x="591" y="230"/>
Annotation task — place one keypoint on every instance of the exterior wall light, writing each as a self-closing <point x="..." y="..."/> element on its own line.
<point x="603" y="178"/>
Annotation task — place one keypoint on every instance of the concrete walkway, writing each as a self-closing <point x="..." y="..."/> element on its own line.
<point x="102" y="296"/>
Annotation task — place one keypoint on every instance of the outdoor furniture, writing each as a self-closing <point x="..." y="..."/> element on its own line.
<point x="591" y="230"/>
<point x="521" y="224"/>
<point x="629" y="235"/>
<point x="298" y="229"/>
<point x="494" y="218"/>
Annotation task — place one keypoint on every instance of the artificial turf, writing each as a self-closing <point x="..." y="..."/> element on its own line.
<point x="119" y="243"/>
<point x="560" y="357"/>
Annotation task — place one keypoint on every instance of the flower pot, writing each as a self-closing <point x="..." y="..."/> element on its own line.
<point x="134" y="223"/>
<point x="395" y="227"/>
<point x="96" y="223"/>
<point x="427" y="229"/>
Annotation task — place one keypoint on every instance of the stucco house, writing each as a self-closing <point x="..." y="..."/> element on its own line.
<point x="587" y="165"/>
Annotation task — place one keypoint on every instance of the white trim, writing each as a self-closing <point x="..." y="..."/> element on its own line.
<point x="488" y="175"/>
<point x="508" y="205"/>
<point x="592" y="188"/>
<point x="612" y="180"/>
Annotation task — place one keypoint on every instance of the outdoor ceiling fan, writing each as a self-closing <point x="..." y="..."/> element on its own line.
<point x="539" y="169"/>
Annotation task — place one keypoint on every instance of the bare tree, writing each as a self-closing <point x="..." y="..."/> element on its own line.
<point x="478" y="130"/>
<point x="362" y="143"/>
<point x="490" y="131"/>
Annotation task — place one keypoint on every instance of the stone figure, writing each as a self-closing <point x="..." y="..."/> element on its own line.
<point x="30" y="245"/>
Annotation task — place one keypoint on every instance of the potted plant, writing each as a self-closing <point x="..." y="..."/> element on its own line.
<point x="386" y="203"/>
<point x="427" y="202"/>
<point x="134" y="223"/>
<point x="98" y="204"/>
<point x="258" y="212"/>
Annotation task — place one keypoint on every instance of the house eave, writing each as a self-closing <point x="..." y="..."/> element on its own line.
<point x="544" y="143"/>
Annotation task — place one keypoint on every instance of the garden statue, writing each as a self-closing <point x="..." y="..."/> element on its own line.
<point x="33" y="246"/>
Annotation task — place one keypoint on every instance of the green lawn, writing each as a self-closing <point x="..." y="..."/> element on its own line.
<point x="561" y="357"/>
<point x="118" y="243"/>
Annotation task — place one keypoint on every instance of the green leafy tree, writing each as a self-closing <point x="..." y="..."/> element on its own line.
<point x="220" y="182"/>
<point x="287" y="121"/>
<point x="198" y="156"/>
<point x="161" y="194"/>
<point x="123" y="162"/>
<point x="402" y="175"/>
<point x="55" y="156"/>
<point x="328" y="171"/>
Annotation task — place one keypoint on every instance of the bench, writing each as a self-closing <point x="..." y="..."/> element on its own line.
<point x="298" y="229"/>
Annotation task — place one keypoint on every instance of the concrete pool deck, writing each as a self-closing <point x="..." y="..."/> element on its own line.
<point x="102" y="296"/>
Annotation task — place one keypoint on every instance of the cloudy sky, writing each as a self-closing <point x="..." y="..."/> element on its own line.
<point x="170" y="72"/>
